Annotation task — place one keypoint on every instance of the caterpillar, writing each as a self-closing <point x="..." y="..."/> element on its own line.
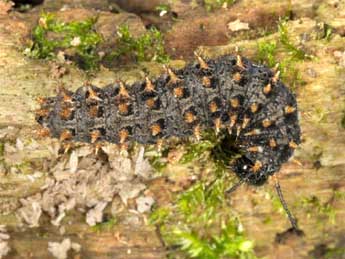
<point x="229" y="93"/>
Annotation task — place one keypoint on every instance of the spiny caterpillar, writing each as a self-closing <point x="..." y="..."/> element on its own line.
<point x="228" y="93"/>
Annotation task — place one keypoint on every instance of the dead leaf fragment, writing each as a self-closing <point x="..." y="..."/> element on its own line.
<point x="237" y="25"/>
<point x="60" y="250"/>
<point x="5" y="6"/>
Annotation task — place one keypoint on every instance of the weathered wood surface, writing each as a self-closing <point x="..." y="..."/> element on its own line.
<point x="320" y="170"/>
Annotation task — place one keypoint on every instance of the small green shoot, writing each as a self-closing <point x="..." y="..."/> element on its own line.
<point x="295" y="52"/>
<point x="105" y="226"/>
<point x="163" y="9"/>
<point x="51" y="36"/>
<point x="342" y="122"/>
<point x="2" y="149"/>
<point x="147" y="47"/>
<point x="328" y="33"/>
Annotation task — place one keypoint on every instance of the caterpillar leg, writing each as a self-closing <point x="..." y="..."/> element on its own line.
<point x="283" y="202"/>
<point x="294" y="227"/>
<point x="235" y="186"/>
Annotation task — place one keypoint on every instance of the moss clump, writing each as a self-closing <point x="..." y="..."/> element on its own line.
<point x="266" y="53"/>
<point x="78" y="37"/>
<point x="201" y="225"/>
<point x="314" y="206"/>
<point x="147" y="47"/>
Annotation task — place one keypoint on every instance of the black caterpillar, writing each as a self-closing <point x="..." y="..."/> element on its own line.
<point x="229" y="92"/>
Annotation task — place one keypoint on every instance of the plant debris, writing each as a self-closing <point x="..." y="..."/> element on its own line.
<point x="237" y="25"/>
<point x="60" y="250"/>
<point x="4" y="247"/>
<point x="84" y="181"/>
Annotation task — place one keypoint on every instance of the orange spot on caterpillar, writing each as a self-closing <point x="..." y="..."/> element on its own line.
<point x="289" y="109"/>
<point x="239" y="62"/>
<point x="42" y="112"/>
<point x="234" y="102"/>
<point x="123" y="135"/>
<point x="233" y="119"/>
<point x="150" y="103"/>
<point x="213" y="106"/>
<point x="95" y="134"/>
<point x="173" y="77"/>
<point x="293" y="144"/>
<point x="254" y="107"/>
<point x="93" y="111"/>
<point x="197" y="132"/>
<point x="253" y="132"/>
<point x="65" y="135"/>
<point x="272" y="143"/>
<point x="43" y="132"/>
<point x="275" y="78"/>
<point x="245" y="122"/>
<point x="255" y="149"/>
<point x="41" y="100"/>
<point x="149" y="86"/>
<point x="92" y="94"/>
<point x="206" y="81"/>
<point x="123" y="108"/>
<point x="155" y="129"/>
<point x="202" y="63"/>
<point x="178" y="92"/>
<point x="266" y="123"/>
<point x="218" y="124"/>
<point x="189" y="117"/>
<point x="267" y="89"/>
<point x="237" y="77"/>
<point x="257" y="166"/>
<point x="65" y="113"/>
<point x="123" y="91"/>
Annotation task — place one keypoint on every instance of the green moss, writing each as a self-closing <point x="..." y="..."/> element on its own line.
<point x="163" y="8"/>
<point x="283" y="55"/>
<point x="147" y="47"/>
<point x="336" y="252"/>
<point x="211" y="5"/>
<point x="217" y="147"/>
<point x="159" y="216"/>
<point x="196" y="150"/>
<point x="2" y="149"/>
<point x="105" y="226"/>
<point x="157" y="158"/>
<point x="202" y="226"/>
<point x="342" y="122"/>
<point x="266" y="52"/>
<point x="51" y="36"/>
<point x="313" y="207"/>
